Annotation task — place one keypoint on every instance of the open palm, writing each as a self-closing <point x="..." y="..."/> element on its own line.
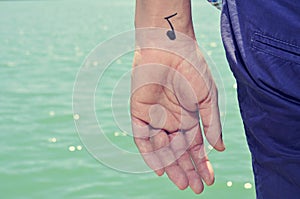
<point x="169" y="94"/>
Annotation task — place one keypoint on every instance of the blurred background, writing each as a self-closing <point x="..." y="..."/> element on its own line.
<point x="42" y="46"/>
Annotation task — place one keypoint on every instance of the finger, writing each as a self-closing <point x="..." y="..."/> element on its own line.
<point x="194" y="179"/>
<point x="210" y="117"/>
<point x="168" y="159"/>
<point x="177" y="176"/>
<point x="204" y="168"/>
<point x="195" y="182"/>
<point x="159" y="139"/>
<point x="144" y="145"/>
<point x="199" y="157"/>
<point x="180" y="149"/>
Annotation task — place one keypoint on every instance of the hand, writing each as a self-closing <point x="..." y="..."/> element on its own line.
<point x="168" y="93"/>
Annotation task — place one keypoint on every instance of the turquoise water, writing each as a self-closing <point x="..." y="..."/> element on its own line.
<point x="42" y="46"/>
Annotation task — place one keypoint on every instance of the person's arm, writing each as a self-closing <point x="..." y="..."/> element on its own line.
<point x="171" y="88"/>
<point x="152" y="13"/>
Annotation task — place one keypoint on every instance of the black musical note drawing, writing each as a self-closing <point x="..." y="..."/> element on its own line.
<point x="171" y="33"/>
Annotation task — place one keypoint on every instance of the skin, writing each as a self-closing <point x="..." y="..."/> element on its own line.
<point x="169" y="97"/>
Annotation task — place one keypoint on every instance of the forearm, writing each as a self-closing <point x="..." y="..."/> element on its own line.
<point x="152" y="13"/>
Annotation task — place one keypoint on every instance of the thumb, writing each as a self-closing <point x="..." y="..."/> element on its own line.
<point x="210" y="118"/>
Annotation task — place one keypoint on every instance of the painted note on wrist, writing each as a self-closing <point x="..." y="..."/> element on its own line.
<point x="171" y="33"/>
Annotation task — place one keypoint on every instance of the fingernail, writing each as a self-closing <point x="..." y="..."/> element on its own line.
<point x="159" y="172"/>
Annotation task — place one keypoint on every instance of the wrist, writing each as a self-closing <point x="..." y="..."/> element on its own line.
<point x="153" y="13"/>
